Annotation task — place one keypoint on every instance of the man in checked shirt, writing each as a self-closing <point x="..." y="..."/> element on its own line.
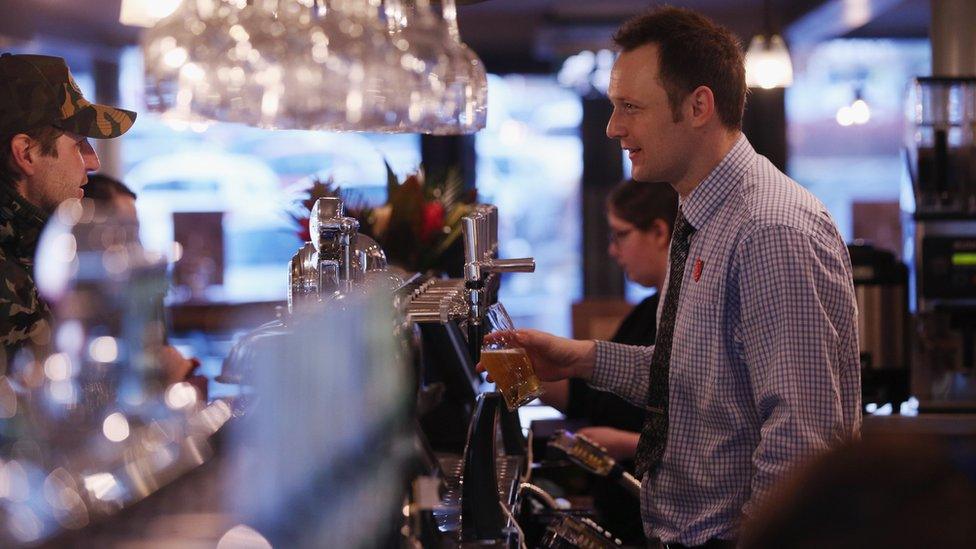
<point x="755" y="366"/>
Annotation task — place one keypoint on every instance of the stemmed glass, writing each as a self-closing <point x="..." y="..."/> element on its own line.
<point x="329" y="64"/>
<point x="173" y="53"/>
<point x="468" y="88"/>
<point x="428" y="55"/>
<point x="350" y="64"/>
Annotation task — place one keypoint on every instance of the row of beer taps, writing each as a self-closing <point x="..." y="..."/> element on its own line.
<point x="339" y="259"/>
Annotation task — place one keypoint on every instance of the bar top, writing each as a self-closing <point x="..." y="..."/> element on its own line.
<point x="922" y="424"/>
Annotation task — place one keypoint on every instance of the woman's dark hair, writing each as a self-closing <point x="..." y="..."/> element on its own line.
<point x="640" y="203"/>
<point x="103" y="187"/>
<point x="693" y="52"/>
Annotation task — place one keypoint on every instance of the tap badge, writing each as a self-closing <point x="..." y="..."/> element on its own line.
<point x="699" y="264"/>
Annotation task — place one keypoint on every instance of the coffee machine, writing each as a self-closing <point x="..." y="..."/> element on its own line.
<point x="881" y="289"/>
<point x="940" y="243"/>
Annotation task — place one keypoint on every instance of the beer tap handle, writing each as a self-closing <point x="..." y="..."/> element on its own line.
<point x="521" y="265"/>
<point x="328" y="277"/>
<point x="493" y="231"/>
<point x="424" y="315"/>
<point x="483" y="239"/>
<point x="348" y="228"/>
<point x="472" y="266"/>
<point x="476" y="333"/>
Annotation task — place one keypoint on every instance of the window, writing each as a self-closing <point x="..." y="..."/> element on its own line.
<point x="250" y="175"/>
<point x="530" y="165"/>
<point x="842" y="164"/>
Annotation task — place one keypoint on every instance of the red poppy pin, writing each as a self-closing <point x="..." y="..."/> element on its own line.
<point x="699" y="264"/>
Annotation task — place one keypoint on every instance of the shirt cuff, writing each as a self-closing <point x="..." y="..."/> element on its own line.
<point x="603" y="366"/>
<point x="622" y="369"/>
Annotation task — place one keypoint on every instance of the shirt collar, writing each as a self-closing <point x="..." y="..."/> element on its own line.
<point x="699" y="206"/>
<point x="20" y="224"/>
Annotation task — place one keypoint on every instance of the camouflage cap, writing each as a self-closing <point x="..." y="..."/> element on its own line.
<point x="38" y="90"/>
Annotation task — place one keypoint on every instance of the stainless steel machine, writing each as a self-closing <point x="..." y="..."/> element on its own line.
<point x="881" y="289"/>
<point x="941" y="241"/>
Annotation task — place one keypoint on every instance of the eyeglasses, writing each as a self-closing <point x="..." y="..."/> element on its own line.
<point x="616" y="236"/>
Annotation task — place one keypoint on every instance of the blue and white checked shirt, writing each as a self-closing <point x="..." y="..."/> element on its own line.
<point x="764" y="366"/>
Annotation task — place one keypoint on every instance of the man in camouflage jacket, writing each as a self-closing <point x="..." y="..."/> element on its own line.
<point x="45" y="157"/>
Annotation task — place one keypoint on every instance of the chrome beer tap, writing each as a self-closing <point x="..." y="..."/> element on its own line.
<point x="336" y="260"/>
<point x="481" y="267"/>
<point x="332" y="235"/>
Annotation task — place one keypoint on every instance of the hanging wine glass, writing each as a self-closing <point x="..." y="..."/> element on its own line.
<point x="218" y="59"/>
<point x="420" y="38"/>
<point x="266" y="34"/>
<point x="470" y="85"/>
<point x="301" y="76"/>
<point x="227" y="71"/>
<point x="174" y="53"/>
<point x="305" y="64"/>
<point x="352" y="68"/>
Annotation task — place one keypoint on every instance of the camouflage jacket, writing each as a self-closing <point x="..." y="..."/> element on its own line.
<point x="25" y="319"/>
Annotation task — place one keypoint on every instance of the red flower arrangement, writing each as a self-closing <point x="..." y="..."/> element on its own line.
<point x="419" y="226"/>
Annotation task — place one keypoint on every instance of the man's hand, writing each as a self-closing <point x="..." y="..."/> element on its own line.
<point x="553" y="358"/>
<point x="619" y="444"/>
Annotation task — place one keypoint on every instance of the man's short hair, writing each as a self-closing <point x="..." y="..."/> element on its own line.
<point x="45" y="136"/>
<point x="102" y="187"/>
<point x="640" y="203"/>
<point x="694" y="51"/>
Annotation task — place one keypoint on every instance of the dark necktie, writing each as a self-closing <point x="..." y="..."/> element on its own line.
<point x="650" y="447"/>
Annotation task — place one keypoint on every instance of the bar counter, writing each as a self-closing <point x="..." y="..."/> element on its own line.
<point x="942" y="425"/>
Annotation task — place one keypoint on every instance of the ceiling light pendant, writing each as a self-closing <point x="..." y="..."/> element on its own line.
<point x="768" y="63"/>
<point x="146" y="13"/>
<point x="857" y="113"/>
<point x="860" y="109"/>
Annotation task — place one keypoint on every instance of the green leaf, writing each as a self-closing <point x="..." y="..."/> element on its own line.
<point x="453" y="189"/>
<point x="446" y="242"/>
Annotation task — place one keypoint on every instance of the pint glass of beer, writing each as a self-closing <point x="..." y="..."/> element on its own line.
<point x="507" y="363"/>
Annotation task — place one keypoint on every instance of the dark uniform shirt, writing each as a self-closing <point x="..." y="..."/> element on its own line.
<point x="602" y="408"/>
<point x="25" y="320"/>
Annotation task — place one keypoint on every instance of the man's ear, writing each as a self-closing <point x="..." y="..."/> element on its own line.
<point x="23" y="154"/>
<point x="702" y="103"/>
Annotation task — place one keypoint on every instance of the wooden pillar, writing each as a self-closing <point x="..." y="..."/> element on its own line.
<point x="602" y="169"/>
<point x="441" y="153"/>
<point x="764" y="124"/>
